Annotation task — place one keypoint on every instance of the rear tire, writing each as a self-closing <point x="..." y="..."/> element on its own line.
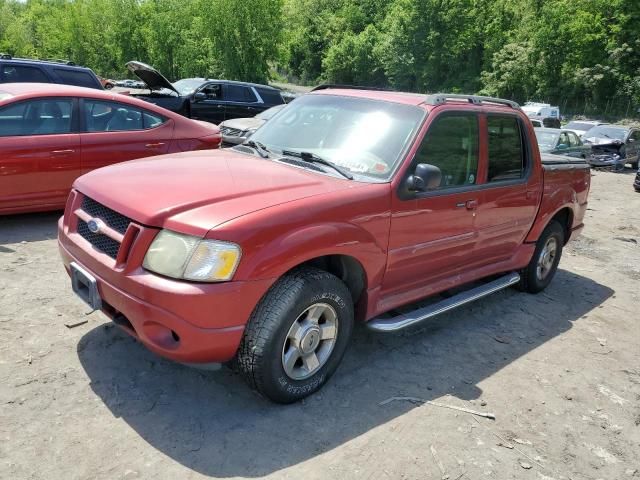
<point x="634" y="165"/>
<point x="544" y="263"/>
<point x="297" y="335"/>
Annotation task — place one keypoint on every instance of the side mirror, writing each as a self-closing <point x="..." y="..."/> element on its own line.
<point x="425" y="177"/>
<point x="562" y="146"/>
<point x="199" y="96"/>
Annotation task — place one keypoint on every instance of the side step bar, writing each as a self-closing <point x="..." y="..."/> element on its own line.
<point x="421" y="314"/>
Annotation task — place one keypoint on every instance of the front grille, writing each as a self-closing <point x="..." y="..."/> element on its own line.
<point x="115" y="220"/>
<point x="230" y="132"/>
<point x="103" y="243"/>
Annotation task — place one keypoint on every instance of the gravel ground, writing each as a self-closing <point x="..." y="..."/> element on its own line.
<point x="560" y="371"/>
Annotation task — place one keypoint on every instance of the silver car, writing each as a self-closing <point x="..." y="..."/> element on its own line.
<point x="236" y="131"/>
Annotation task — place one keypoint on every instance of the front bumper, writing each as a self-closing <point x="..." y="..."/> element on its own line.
<point x="183" y="321"/>
<point x="599" y="161"/>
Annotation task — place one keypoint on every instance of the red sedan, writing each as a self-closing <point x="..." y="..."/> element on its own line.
<point x="52" y="134"/>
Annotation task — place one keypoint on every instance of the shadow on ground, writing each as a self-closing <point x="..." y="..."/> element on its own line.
<point x="30" y="227"/>
<point x="212" y="423"/>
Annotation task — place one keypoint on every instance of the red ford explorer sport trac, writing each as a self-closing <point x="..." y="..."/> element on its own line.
<point x="344" y="206"/>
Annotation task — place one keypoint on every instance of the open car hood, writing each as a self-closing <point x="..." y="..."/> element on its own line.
<point x="149" y="75"/>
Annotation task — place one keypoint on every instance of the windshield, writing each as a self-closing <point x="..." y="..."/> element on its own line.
<point x="270" y="112"/>
<point x="607" y="132"/>
<point x="363" y="136"/>
<point x="187" y="86"/>
<point x="579" y="126"/>
<point x="547" y="140"/>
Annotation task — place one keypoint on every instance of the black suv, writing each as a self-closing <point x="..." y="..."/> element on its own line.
<point x="14" y="70"/>
<point x="206" y="99"/>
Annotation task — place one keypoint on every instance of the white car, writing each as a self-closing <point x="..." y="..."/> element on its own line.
<point x="580" y="127"/>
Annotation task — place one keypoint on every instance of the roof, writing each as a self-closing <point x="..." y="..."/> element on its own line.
<point x="57" y="63"/>
<point x="235" y="82"/>
<point x="419" y="99"/>
<point x="35" y="90"/>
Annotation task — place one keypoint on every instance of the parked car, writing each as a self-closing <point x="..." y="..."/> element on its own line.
<point x="129" y="83"/>
<point x="107" y="84"/>
<point x="52" y="134"/>
<point x="561" y="142"/>
<point x="636" y="183"/>
<point x="205" y="99"/>
<point x="343" y="207"/>
<point x="237" y="131"/>
<point x="13" y="70"/>
<point x="613" y="145"/>
<point x="541" y="110"/>
<point x="580" y="127"/>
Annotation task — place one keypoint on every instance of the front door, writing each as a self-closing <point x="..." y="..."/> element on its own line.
<point x="432" y="233"/>
<point x="40" y="153"/>
<point x="211" y="107"/>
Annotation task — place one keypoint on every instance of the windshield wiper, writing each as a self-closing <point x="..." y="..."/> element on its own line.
<point x="313" y="158"/>
<point x="262" y="150"/>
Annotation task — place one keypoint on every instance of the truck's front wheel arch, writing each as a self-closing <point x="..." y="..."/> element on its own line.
<point x="350" y="271"/>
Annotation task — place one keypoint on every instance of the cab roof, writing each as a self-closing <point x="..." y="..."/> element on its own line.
<point x="415" y="99"/>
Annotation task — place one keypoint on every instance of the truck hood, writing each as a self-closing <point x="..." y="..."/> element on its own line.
<point x="150" y="76"/>
<point x="195" y="191"/>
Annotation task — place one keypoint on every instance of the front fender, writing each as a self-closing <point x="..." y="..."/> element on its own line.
<point x="295" y="247"/>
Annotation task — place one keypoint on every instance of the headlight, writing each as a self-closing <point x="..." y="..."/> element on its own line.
<point x="192" y="258"/>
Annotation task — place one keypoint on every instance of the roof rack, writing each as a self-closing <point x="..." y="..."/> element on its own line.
<point x="7" y="56"/>
<point x="56" y="60"/>
<point x="441" y="98"/>
<point x="326" y="86"/>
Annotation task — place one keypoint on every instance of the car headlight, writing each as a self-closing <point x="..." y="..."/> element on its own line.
<point x="192" y="258"/>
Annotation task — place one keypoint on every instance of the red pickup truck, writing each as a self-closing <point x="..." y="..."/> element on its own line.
<point x="345" y="205"/>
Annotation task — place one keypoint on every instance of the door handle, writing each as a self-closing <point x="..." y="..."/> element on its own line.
<point x="471" y="204"/>
<point x="62" y="152"/>
<point x="154" y="145"/>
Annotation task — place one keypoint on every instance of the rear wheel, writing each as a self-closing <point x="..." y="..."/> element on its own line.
<point x="546" y="257"/>
<point x="297" y="335"/>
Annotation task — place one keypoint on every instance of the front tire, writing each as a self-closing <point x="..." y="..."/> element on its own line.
<point x="546" y="257"/>
<point x="297" y="335"/>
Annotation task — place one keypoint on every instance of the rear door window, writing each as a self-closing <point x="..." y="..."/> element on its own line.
<point x="75" y="77"/>
<point x="37" y="117"/>
<point x="451" y="144"/>
<point x="506" y="149"/>
<point x="10" y="73"/>
<point x="101" y="116"/>
<point x="239" y="93"/>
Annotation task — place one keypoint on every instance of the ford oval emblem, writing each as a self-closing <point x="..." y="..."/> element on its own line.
<point x="95" y="225"/>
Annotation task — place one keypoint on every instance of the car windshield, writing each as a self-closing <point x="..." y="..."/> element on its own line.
<point x="547" y="140"/>
<point x="614" y="133"/>
<point x="187" y="86"/>
<point x="270" y="112"/>
<point x="363" y="136"/>
<point x="579" y="126"/>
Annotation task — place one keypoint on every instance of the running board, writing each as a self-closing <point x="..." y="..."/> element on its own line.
<point x="421" y="314"/>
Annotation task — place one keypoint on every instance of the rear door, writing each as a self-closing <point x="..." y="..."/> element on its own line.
<point x="40" y="156"/>
<point x="241" y="101"/>
<point x="510" y="197"/>
<point x="433" y="232"/>
<point x="114" y="132"/>
<point x="211" y="108"/>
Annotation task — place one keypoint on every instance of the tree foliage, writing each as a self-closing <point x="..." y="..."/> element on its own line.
<point x="563" y="51"/>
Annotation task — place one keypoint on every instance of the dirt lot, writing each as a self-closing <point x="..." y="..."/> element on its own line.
<point x="560" y="370"/>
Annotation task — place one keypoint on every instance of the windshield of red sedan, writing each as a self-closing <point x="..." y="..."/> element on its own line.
<point x="363" y="136"/>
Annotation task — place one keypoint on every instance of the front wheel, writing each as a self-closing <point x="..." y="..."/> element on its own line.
<point x="297" y="335"/>
<point x="546" y="257"/>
